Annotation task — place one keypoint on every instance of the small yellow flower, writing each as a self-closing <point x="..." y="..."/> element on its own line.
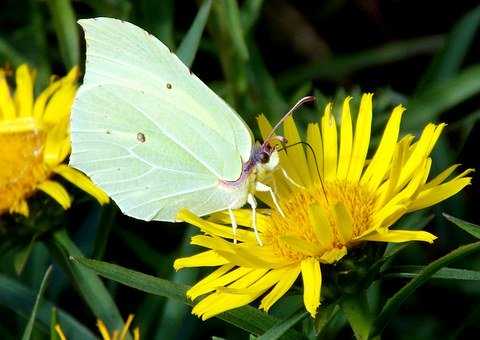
<point x="35" y="140"/>
<point x="106" y="335"/>
<point x="332" y="200"/>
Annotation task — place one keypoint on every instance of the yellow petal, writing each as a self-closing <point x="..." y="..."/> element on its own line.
<point x="59" y="105"/>
<point x="396" y="236"/>
<point x="7" y="106"/>
<point x="20" y="208"/>
<point x="296" y="153"/>
<point x="361" y="140"/>
<point x="81" y="181"/>
<point x="24" y="91"/>
<point x="243" y="217"/>
<point x="315" y="161"/>
<point x="344" y="221"/>
<point x="57" y="192"/>
<point x="126" y="326"/>
<point x="57" y="144"/>
<point x="60" y="333"/>
<point x="283" y="285"/>
<point x="196" y="290"/>
<point x="329" y="134"/>
<point x="312" y="282"/>
<point x="41" y="101"/>
<point x="207" y="258"/>
<point x="381" y="160"/>
<point x="320" y="224"/>
<point x="103" y="330"/>
<point x="420" y="152"/>
<point x="346" y="137"/>
<point x="438" y="193"/>
<point x="441" y="177"/>
<point x="333" y="255"/>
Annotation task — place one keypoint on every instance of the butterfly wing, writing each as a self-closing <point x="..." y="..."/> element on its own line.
<point x="149" y="132"/>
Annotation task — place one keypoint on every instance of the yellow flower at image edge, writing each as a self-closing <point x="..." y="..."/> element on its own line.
<point x="106" y="335"/>
<point x="35" y="140"/>
<point x="354" y="200"/>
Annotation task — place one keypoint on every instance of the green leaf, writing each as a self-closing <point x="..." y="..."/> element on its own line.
<point x="247" y="318"/>
<point x="53" y="323"/>
<point x="8" y="53"/>
<point x="249" y="14"/>
<point x="356" y="309"/>
<point x="340" y="66"/>
<point x="448" y="60"/>
<point x="438" y="98"/>
<point x="189" y="45"/>
<point x="104" y="229"/>
<point x="235" y="28"/>
<point x="20" y="300"/>
<point x="65" y="24"/>
<point x="394" y="303"/>
<point x="282" y="327"/>
<point x="158" y="18"/>
<point x="470" y="228"/>
<point x="21" y="258"/>
<point x="27" y="333"/>
<point x="444" y="273"/>
<point x="88" y="283"/>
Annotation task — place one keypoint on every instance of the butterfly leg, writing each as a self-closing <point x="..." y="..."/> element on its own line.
<point x="253" y="203"/>
<point x="233" y="220"/>
<point x="265" y="188"/>
<point x="284" y="173"/>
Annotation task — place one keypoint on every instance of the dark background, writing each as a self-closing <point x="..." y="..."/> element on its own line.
<point x="329" y="48"/>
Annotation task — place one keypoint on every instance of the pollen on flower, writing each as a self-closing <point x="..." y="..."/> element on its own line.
<point x="23" y="168"/>
<point x="298" y="235"/>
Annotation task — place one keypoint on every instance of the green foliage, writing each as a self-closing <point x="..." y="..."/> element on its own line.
<point x="258" y="56"/>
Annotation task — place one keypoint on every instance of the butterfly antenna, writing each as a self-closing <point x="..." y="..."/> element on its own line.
<point x="302" y="101"/>
<point x="314" y="158"/>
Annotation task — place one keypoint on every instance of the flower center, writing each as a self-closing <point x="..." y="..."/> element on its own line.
<point x="22" y="167"/>
<point x="300" y="234"/>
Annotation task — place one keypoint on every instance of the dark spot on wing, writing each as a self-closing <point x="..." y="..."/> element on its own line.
<point x="141" y="137"/>
<point x="108" y="132"/>
<point x="169" y="86"/>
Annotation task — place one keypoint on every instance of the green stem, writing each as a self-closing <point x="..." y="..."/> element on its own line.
<point x="356" y="309"/>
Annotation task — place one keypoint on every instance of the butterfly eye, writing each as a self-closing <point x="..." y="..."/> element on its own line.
<point x="264" y="157"/>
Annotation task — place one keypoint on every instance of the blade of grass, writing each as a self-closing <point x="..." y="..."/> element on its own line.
<point x="88" y="283"/>
<point x="249" y="14"/>
<point x="356" y="309"/>
<point x="470" y="228"/>
<point x="394" y="303"/>
<point x="277" y="331"/>
<point x="247" y="318"/>
<point x="235" y="28"/>
<point x="27" y="333"/>
<point x="158" y="19"/>
<point x="438" y="98"/>
<point x="444" y="273"/>
<point x="340" y="66"/>
<point x="10" y="54"/>
<point x="448" y="60"/>
<point x="173" y="312"/>
<point x="20" y="300"/>
<point x="65" y="24"/>
<point x="189" y="45"/>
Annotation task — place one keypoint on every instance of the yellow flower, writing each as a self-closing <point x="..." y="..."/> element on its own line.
<point x="106" y="335"/>
<point x="330" y="205"/>
<point x="35" y="140"/>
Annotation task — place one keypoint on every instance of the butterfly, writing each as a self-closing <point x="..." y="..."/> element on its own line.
<point x="155" y="137"/>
